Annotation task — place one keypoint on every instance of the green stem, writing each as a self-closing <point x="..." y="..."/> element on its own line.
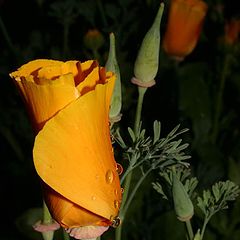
<point x="141" y="93"/>
<point x="96" y="55"/>
<point x="118" y="232"/>
<point x="189" y="230"/>
<point x="204" y="226"/>
<point x="126" y="173"/>
<point x="219" y="99"/>
<point x="47" y="219"/>
<point x="126" y="206"/>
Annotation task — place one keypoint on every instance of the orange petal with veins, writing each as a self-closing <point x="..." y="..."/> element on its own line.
<point x="73" y="155"/>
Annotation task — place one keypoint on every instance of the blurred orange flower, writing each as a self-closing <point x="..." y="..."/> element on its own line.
<point x="232" y="31"/>
<point x="69" y="107"/>
<point x="93" y="39"/>
<point x="184" y="26"/>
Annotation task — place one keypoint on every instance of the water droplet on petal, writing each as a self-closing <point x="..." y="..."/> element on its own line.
<point x="116" y="222"/>
<point x="109" y="176"/>
<point x="122" y="190"/>
<point x="93" y="198"/>
<point x="116" y="192"/>
<point x="119" y="168"/>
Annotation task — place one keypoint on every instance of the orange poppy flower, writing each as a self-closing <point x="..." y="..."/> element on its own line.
<point x="232" y="31"/>
<point x="69" y="107"/>
<point x="184" y="26"/>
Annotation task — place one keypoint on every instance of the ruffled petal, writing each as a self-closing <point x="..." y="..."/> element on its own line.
<point x="32" y="67"/>
<point x="44" y="101"/>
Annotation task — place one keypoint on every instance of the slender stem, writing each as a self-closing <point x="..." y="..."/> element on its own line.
<point x="129" y="169"/>
<point x="189" y="230"/>
<point x="96" y="55"/>
<point x="46" y="214"/>
<point x="141" y="93"/>
<point x="204" y="226"/>
<point x="219" y="98"/>
<point x="122" y="214"/>
<point x="47" y="219"/>
<point x="118" y="232"/>
<point x="133" y="193"/>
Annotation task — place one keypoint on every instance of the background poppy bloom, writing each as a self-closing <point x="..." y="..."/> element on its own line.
<point x="232" y="30"/>
<point x="184" y="26"/>
<point x="69" y="106"/>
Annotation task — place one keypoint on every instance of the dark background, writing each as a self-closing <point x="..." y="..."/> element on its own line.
<point x="185" y="93"/>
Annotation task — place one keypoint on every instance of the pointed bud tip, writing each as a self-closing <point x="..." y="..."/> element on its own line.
<point x="147" y="61"/>
<point x="112" y="65"/>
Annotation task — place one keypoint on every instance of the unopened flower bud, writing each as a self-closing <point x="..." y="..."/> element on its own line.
<point x="93" y="39"/>
<point x="182" y="203"/>
<point x="146" y="64"/>
<point x="112" y="65"/>
<point x="197" y="235"/>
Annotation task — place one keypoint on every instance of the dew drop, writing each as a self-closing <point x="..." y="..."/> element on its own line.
<point x="122" y="190"/>
<point x="109" y="176"/>
<point x="116" y="192"/>
<point x="116" y="222"/>
<point x="93" y="198"/>
<point x="119" y="168"/>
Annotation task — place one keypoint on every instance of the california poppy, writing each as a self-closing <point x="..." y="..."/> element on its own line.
<point x="184" y="25"/>
<point x="232" y="31"/>
<point x="68" y="103"/>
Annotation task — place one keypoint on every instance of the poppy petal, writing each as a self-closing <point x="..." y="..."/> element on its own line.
<point x="73" y="153"/>
<point x="44" y="101"/>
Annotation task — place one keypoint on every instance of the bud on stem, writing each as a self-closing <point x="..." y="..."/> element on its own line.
<point x="147" y="61"/>
<point x="182" y="202"/>
<point x="112" y="65"/>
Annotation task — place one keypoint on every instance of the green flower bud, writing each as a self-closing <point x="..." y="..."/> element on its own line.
<point x="197" y="235"/>
<point x="112" y="65"/>
<point x="93" y="39"/>
<point x="48" y="235"/>
<point x="146" y="64"/>
<point x="182" y="203"/>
